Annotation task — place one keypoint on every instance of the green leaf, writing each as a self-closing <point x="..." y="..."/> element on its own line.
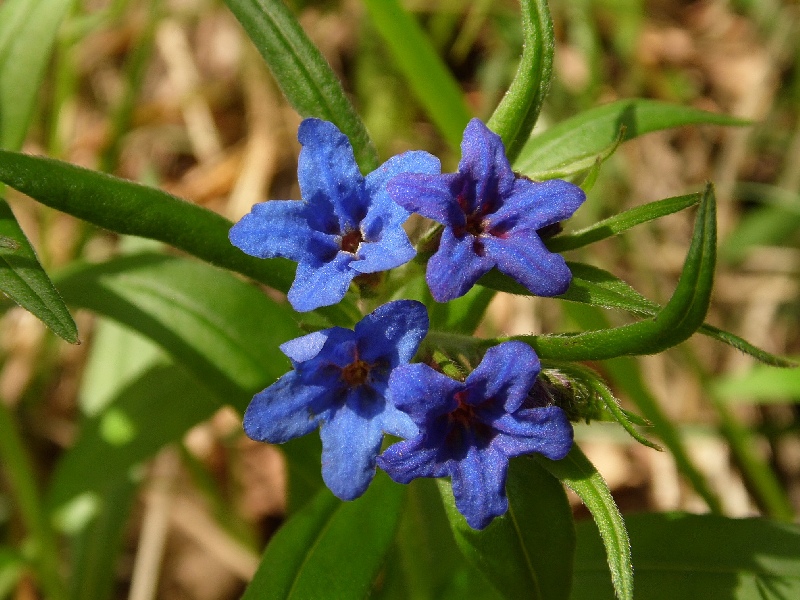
<point x="429" y="78"/>
<point x="580" y="475"/>
<point x="224" y="331"/>
<point x="24" y="280"/>
<point x="28" y="30"/>
<point x="593" y="130"/>
<point x="675" y="323"/>
<point x="519" y="109"/>
<point x="762" y="384"/>
<point x="621" y="222"/>
<point x="155" y="409"/>
<point x="589" y="164"/>
<point x="301" y="71"/>
<point x="12" y="568"/>
<point x="330" y="549"/>
<point x="697" y="556"/>
<point x="527" y="553"/>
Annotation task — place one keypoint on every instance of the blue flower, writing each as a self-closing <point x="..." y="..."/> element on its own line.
<point x="345" y="225"/>
<point x="491" y="218"/>
<point x="468" y="430"/>
<point x="339" y="384"/>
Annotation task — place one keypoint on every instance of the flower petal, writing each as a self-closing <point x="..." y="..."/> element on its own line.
<point x="455" y="267"/>
<point x="410" y="459"/>
<point x="392" y="332"/>
<point x="350" y="443"/>
<point x="429" y="196"/>
<point x="276" y="228"/>
<point x="479" y="481"/>
<point x="285" y="410"/>
<point x="544" y="430"/>
<point x="506" y="373"/>
<point x="537" y="204"/>
<point x="484" y="161"/>
<point x="308" y="346"/>
<point x="524" y="257"/>
<point x="391" y="250"/>
<point x="318" y="283"/>
<point x="328" y="173"/>
<point x="422" y="392"/>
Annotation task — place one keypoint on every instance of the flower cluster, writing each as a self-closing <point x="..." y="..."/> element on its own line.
<point x="358" y="385"/>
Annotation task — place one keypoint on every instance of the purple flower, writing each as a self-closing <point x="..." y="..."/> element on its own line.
<point x="491" y="218"/>
<point x="468" y="430"/>
<point x="345" y="225"/>
<point x="339" y="384"/>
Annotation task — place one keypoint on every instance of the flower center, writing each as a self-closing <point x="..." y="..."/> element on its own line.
<point x="351" y="240"/>
<point x="465" y="425"/>
<point x="356" y="373"/>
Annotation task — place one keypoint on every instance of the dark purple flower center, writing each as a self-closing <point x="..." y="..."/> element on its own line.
<point x="465" y="425"/>
<point x="356" y="373"/>
<point x="351" y="240"/>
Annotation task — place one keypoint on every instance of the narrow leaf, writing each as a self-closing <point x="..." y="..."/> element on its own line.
<point x="697" y="556"/>
<point x="528" y="552"/>
<point x="301" y="71"/>
<point x="590" y="131"/>
<point x="580" y="475"/>
<point x="517" y="113"/>
<point x="24" y="280"/>
<point x="760" y="385"/>
<point x="330" y="549"/>
<point x="429" y="78"/>
<point x="26" y="44"/>
<point x="224" y="331"/>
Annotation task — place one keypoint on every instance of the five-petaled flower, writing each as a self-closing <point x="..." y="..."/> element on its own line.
<point x="345" y="225"/>
<point x="339" y="384"/>
<point x="491" y="218"/>
<point x="469" y="430"/>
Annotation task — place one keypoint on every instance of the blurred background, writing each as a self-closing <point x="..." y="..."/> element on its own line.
<point x="173" y="94"/>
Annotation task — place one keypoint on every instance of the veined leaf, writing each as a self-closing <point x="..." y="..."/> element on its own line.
<point x="697" y="556"/>
<point x="24" y="280"/>
<point x="28" y="30"/>
<point x="429" y="78"/>
<point x="224" y="331"/>
<point x="519" y="109"/>
<point x="593" y="130"/>
<point x="301" y="71"/>
<point x="330" y="548"/>
<point x="580" y="475"/>
<point x="528" y="552"/>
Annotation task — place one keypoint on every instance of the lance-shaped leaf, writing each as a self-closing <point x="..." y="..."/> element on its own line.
<point x="301" y="71"/>
<point x="24" y="280"/>
<point x="426" y="73"/>
<point x="681" y="317"/>
<point x="528" y="552"/>
<point x="589" y="132"/>
<point x="581" y="476"/>
<point x="330" y="548"/>
<point x="519" y="109"/>
<point x="130" y="208"/>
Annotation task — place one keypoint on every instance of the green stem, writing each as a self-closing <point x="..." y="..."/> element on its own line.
<point x="19" y="471"/>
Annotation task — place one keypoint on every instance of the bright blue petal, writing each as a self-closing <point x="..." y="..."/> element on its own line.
<point x="319" y="284"/>
<point x="525" y="258"/>
<point x="484" y="161"/>
<point x="391" y="250"/>
<point x="479" y="481"/>
<point x="392" y="332"/>
<point x="308" y="346"/>
<point x="410" y="459"/>
<point x="328" y="173"/>
<point x="422" y="392"/>
<point x="396" y="422"/>
<point x="535" y="204"/>
<point x="455" y="267"/>
<point x="275" y="228"/>
<point x="285" y="410"/>
<point x="350" y="443"/>
<point x="430" y="196"/>
<point x="544" y="430"/>
<point x="506" y="373"/>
